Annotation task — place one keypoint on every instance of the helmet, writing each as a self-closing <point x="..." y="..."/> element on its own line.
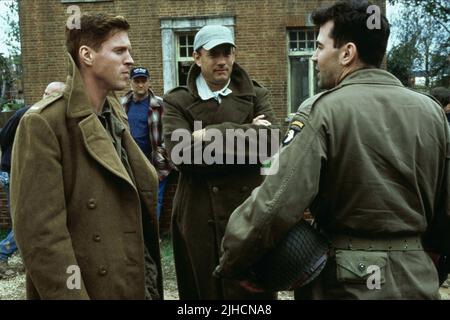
<point x="296" y="261"/>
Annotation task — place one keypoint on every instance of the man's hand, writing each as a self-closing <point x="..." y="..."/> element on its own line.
<point x="199" y="135"/>
<point x="259" y="121"/>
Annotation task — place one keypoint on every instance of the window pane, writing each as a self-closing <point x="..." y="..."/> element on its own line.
<point x="191" y="40"/>
<point x="183" y="70"/>
<point x="183" y="52"/>
<point x="182" y="40"/>
<point x="302" y="45"/>
<point x="299" y="84"/>
<point x="293" y="35"/>
<point x="191" y="51"/>
<point x="301" y="35"/>
<point x="292" y="45"/>
<point x="311" y="35"/>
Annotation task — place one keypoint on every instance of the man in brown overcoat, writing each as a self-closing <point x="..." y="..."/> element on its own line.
<point x="220" y="95"/>
<point x="83" y="194"/>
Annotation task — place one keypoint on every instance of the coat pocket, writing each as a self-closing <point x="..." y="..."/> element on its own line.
<point x="356" y="266"/>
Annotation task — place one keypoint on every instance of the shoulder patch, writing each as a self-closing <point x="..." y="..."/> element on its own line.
<point x="42" y="104"/>
<point x="295" y="127"/>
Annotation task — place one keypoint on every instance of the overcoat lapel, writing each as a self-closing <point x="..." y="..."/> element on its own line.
<point x="100" y="147"/>
<point x="95" y="138"/>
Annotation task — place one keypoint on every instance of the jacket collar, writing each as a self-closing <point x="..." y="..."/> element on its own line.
<point x="129" y="96"/>
<point x="240" y="84"/>
<point x="78" y="102"/>
<point x="371" y="76"/>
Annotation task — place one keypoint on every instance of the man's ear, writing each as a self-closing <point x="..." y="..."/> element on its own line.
<point x="86" y="55"/>
<point x="196" y="57"/>
<point x="348" y="54"/>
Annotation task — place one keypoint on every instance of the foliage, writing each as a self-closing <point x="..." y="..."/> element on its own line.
<point x="438" y="10"/>
<point x="3" y="233"/>
<point x="9" y="73"/>
<point x="11" y="66"/>
<point x="421" y="44"/>
<point x="13" y="33"/>
<point x="400" y="61"/>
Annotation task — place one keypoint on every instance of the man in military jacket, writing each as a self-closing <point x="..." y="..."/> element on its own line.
<point x="371" y="161"/>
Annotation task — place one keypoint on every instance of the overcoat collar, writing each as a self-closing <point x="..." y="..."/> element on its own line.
<point x="240" y="84"/>
<point x="95" y="137"/>
<point x="78" y="102"/>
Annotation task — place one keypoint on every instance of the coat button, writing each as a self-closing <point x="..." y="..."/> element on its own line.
<point x="97" y="238"/>
<point x="102" y="271"/>
<point x="92" y="204"/>
<point x="361" y="266"/>
<point x="215" y="189"/>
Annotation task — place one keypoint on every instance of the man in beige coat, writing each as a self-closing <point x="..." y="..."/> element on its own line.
<point x="83" y="194"/>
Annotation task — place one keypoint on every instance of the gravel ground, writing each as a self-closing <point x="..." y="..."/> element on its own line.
<point x="14" y="287"/>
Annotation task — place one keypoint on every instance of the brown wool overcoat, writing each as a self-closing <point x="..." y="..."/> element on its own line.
<point x="208" y="194"/>
<point x="74" y="203"/>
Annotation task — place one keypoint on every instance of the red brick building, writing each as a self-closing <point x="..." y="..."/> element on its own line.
<point x="274" y="38"/>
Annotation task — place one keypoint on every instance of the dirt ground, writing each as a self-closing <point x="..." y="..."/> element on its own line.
<point x="14" y="287"/>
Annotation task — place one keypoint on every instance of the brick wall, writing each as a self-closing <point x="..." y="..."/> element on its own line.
<point x="260" y="38"/>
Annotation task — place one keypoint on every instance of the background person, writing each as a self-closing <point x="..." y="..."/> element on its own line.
<point x="8" y="244"/>
<point x="443" y="96"/>
<point x="144" y="110"/>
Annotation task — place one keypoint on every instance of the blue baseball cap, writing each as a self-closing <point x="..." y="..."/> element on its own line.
<point x="139" y="72"/>
<point x="211" y="36"/>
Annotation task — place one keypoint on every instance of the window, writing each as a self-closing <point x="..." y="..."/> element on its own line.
<point x="302" y="81"/>
<point x="184" y="57"/>
<point x="302" y="40"/>
<point x="177" y="36"/>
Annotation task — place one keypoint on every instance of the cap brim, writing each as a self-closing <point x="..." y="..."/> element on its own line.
<point x="140" y="75"/>
<point x="216" y="42"/>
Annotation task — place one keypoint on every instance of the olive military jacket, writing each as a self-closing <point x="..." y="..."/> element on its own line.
<point x="371" y="161"/>
<point x="78" y="216"/>
<point x="208" y="193"/>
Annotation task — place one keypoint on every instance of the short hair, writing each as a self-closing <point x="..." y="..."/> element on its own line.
<point x="442" y="95"/>
<point x="350" y="25"/>
<point x="94" y="30"/>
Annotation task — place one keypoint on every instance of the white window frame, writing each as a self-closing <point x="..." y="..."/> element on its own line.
<point x="306" y="53"/>
<point x="180" y="58"/>
<point x="170" y="27"/>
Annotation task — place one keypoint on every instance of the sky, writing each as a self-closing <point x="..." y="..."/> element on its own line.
<point x="4" y="26"/>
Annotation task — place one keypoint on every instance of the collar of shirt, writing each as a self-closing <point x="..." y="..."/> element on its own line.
<point x="206" y="93"/>
<point x="140" y="100"/>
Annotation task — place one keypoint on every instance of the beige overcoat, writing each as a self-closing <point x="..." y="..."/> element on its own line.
<point x="74" y="205"/>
